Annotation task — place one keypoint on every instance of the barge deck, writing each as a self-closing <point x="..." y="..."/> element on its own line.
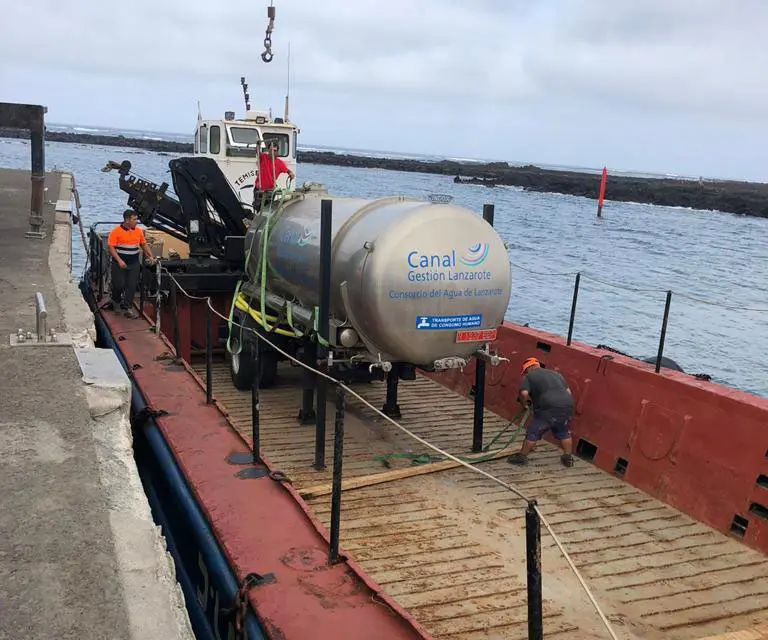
<point x="450" y="546"/>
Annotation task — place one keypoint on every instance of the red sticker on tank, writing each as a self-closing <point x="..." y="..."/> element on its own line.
<point x="478" y="335"/>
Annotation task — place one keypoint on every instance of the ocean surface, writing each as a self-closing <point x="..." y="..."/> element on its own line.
<point x="715" y="263"/>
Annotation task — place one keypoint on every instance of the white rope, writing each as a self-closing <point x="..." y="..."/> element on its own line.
<point x="405" y="430"/>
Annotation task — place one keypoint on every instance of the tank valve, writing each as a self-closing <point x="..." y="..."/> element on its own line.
<point x="493" y="358"/>
<point x="451" y="362"/>
<point x="385" y="366"/>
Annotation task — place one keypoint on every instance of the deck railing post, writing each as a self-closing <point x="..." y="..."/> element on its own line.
<point x="338" y="459"/>
<point x="158" y="300"/>
<point x="175" y="312"/>
<point x="255" y="416"/>
<point x="208" y="355"/>
<point x="533" y="561"/>
<point x="324" y="309"/>
<point x="479" y="395"/>
<point x="663" y="336"/>
<point x="141" y="290"/>
<point x="573" y="307"/>
<point x="101" y="268"/>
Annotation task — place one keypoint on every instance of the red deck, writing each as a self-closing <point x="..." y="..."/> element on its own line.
<point x="698" y="446"/>
<point x="262" y="525"/>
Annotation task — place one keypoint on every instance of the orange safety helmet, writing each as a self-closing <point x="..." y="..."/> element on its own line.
<point x="530" y="362"/>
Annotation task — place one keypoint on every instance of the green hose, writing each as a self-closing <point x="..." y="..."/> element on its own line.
<point x="426" y="458"/>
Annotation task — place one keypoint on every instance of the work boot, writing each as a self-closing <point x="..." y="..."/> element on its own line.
<point x="108" y="306"/>
<point x="130" y="313"/>
<point x="518" y="459"/>
<point x="567" y="460"/>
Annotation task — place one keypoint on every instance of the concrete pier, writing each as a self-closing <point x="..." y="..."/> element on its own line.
<point x="80" y="556"/>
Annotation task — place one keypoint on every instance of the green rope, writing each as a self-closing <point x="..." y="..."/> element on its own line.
<point x="426" y="458"/>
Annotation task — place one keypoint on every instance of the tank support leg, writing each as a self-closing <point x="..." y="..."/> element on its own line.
<point x="307" y="411"/>
<point x="391" y="408"/>
<point x="479" y="408"/>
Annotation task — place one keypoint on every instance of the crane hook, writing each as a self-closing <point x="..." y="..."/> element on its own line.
<point x="267" y="54"/>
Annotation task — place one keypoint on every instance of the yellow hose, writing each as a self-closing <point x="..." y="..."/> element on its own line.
<point x="242" y="305"/>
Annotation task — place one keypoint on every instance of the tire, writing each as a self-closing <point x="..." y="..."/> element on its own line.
<point x="242" y="366"/>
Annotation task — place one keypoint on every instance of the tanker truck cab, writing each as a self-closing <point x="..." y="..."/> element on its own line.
<point x="235" y="146"/>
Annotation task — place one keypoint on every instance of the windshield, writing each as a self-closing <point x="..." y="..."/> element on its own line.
<point x="283" y="143"/>
<point x="244" y="135"/>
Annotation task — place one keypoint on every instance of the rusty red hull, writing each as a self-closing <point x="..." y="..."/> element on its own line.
<point x="700" y="447"/>
<point x="261" y="524"/>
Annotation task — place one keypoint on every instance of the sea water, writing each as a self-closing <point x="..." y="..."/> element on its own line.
<point x="628" y="258"/>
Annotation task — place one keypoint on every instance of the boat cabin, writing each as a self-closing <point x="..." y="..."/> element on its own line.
<point x="236" y="144"/>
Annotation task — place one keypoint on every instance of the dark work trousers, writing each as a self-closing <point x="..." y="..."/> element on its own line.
<point x="262" y="198"/>
<point x="124" y="282"/>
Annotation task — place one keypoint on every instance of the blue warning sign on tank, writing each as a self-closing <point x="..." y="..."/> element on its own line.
<point x="449" y="322"/>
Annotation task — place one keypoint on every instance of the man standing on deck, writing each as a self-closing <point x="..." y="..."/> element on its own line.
<point x="552" y="402"/>
<point x="270" y="169"/>
<point x="125" y="242"/>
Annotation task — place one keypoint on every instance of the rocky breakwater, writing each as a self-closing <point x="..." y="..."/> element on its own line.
<point x="743" y="198"/>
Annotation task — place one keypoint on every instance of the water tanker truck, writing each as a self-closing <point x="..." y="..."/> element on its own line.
<point x="413" y="284"/>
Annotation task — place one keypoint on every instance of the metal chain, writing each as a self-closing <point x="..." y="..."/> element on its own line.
<point x="267" y="55"/>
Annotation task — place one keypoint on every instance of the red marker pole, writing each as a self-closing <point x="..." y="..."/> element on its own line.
<point x="602" y="193"/>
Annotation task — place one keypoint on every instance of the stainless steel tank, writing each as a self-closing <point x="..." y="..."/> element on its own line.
<point x="406" y="274"/>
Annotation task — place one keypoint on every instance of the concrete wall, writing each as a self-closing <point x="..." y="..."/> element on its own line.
<point x="153" y="597"/>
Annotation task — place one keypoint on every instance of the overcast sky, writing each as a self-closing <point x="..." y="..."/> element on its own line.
<point x="675" y="86"/>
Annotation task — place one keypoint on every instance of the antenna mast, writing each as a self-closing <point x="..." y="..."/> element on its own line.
<point x="288" y="84"/>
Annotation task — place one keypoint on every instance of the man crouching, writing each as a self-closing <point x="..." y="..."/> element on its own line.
<point x="552" y="403"/>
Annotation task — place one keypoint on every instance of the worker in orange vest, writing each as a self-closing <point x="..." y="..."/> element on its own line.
<point x="125" y="244"/>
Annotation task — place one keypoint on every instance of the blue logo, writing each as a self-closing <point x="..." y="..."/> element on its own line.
<point x="475" y="255"/>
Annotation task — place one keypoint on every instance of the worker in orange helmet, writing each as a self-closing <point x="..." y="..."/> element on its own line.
<point x="552" y="402"/>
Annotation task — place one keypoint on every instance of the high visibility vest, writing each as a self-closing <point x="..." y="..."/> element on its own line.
<point x="127" y="243"/>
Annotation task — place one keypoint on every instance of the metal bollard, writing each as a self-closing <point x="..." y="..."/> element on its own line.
<point x="41" y="316"/>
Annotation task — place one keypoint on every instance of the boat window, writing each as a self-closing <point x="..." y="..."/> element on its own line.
<point x="283" y="142"/>
<point x="204" y="139"/>
<point x="244" y="135"/>
<point x="215" y="139"/>
<point x="295" y="141"/>
<point x="197" y="141"/>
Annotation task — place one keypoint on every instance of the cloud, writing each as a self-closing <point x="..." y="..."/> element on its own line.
<point x="669" y="53"/>
<point x="498" y="78"/>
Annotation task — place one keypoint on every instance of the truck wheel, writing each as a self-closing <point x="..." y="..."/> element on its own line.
<point x="242" y="365"/>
